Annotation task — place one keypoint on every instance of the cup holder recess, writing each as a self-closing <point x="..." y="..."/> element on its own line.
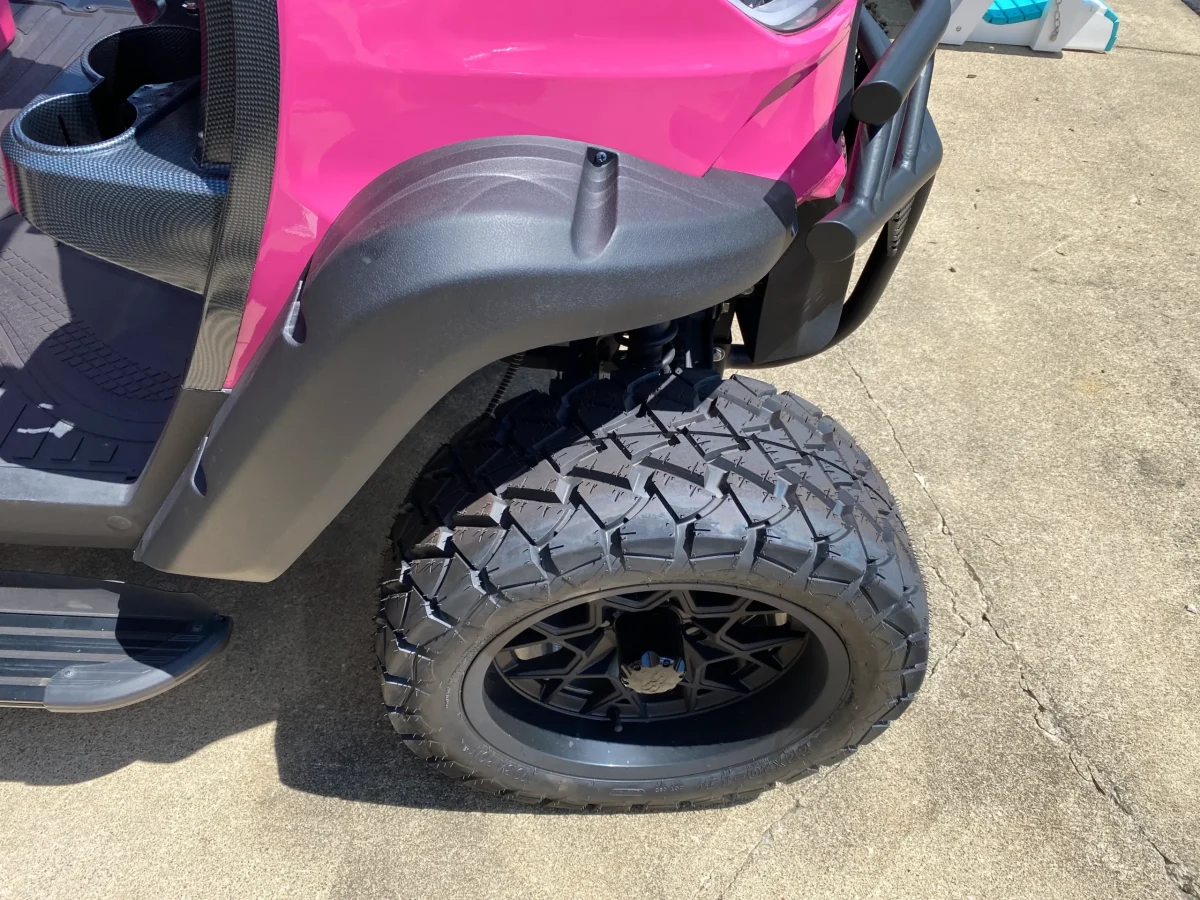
<point x="105" y="160"/>
<point x="120" y="66"/>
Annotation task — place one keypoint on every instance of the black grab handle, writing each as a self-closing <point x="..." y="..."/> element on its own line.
<point x="896" y="65"/>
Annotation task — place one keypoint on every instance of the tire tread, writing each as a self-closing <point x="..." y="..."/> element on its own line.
<point x="682" y="474"/>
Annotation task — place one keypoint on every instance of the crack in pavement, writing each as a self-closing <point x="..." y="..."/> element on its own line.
<point x="766" y="837"/>
<point x="966" y="624"/>
<point x="763" y="839"/>
<point x="1184" y="880"/>
<point x="944" y="526"/>
<point x="1160" y="52"/>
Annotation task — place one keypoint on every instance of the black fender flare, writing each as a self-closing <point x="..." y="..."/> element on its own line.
<point x="443" y="264"/>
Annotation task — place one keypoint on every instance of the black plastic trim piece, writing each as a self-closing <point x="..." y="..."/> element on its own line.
<point x="872" y="282"/>
<point x="795" y="313"/>
<point x="254" y="27"/>
<point x="86" y="645"/>
<point x="55" y="508"/>
<point x="896" y="65"/>
<point x="449" y="261"/>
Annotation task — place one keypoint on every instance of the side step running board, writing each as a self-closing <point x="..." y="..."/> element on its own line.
<point x="85" y="645"/>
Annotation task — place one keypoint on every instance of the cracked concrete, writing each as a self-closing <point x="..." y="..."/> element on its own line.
<point x="1028" y="387"/>
<point x="1043" y="714"/>
<point x="1071" y="384"/>
<point x="954" y="824"/>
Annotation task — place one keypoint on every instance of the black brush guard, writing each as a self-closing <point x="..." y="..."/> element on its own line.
<point x="895" y="153"/>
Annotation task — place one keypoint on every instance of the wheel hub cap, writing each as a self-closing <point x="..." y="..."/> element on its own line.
<point x="650" y="648"/>
<point x="653" y="674"/>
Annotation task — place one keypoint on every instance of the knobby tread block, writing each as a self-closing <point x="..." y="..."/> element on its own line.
<point x="678" y="476"/>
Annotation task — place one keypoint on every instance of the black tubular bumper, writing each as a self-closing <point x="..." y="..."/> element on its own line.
<point x="895" y="151"/>
<point x="896" y="65"/>
<point x="892" y="159"/>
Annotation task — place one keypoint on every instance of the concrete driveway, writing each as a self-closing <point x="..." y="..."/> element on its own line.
<point x="1031" y="389"/>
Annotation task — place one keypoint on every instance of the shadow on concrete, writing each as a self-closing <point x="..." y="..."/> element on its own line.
<point x="301" y="657"/>
<point x="999" y="50"/>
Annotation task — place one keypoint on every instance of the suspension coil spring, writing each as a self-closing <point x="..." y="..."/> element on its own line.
<point x="651" y="347"/>
<point x="514" y="363"/>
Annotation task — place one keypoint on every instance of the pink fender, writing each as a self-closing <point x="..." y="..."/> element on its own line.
<point x="368" y="84"/>
<point x="8" y="28"/>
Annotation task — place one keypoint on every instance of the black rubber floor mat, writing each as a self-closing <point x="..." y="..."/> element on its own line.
<point x="91" y="356"/>
<point x="48" y="38"/>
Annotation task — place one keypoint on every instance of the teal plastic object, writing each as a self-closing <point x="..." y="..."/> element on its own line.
<point x="1112" y="17"/>
<point x="1010" y="12"/>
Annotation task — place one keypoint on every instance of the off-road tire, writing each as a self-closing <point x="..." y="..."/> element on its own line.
<point x="628" y="482"/>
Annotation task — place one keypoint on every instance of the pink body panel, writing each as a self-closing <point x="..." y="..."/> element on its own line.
<point x="367" y="84"/>
<point x="8" y="28"/>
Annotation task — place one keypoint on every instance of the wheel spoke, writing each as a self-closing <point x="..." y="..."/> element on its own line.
<point x="658" y="598"/>
<point x="686" y="602"/>
<point x="603" y="646"/>
<point x="535" y="668"/>
<point x="729" y="683"/>
<point x="732" y="619"/>
<point x="550" y="687"/>
<point x="744" y="655"/>
<point x="771" y="643"/>
<point x="601" y="694"/>
<point x="632" y="698"/>
<point x="618" y="692"/>
<point x="641" y="601"/>
<point x="530" y="637"/>
<point x="769" y="659"/>
<point x="696" y="665"/>
<point x="561" y="631"/>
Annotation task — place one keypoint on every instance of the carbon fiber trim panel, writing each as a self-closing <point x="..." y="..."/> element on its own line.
<point x="216" y="27"/>
<point x="256" y="119"/>
<point x="104" y="160"/>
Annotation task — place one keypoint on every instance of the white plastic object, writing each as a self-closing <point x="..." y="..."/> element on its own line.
<point x="1061" y="25"/>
